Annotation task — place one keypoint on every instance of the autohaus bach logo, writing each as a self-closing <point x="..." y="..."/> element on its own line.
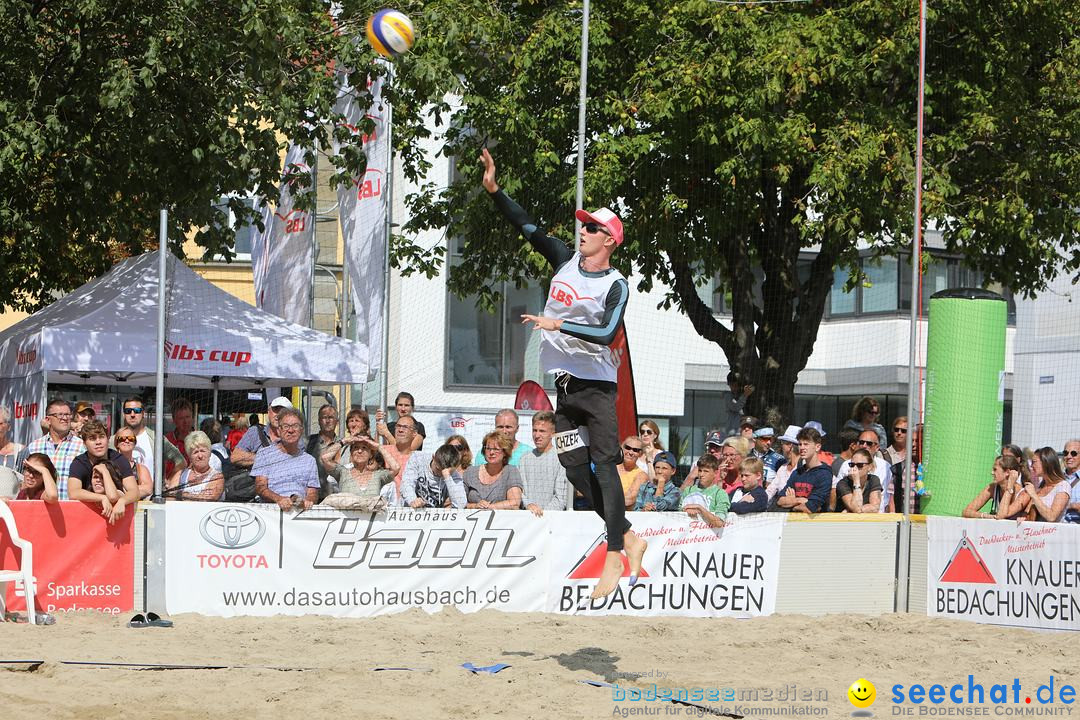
<point x="232" y="528"/>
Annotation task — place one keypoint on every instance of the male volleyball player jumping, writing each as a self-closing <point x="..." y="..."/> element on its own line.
<point x="584" y="309"/>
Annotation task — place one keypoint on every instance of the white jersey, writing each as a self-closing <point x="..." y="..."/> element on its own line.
<point x="583" y="298"/>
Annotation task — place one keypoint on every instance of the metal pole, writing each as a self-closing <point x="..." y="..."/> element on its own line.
<point x="216" y="381"/>
<point x="346" y="289"/>
<point x="311" y="284"/>
<point x="583" y="93"/>
<point x="159" y="402"/>
<point x="384" y="388"/>
<point x="908" y="470"/>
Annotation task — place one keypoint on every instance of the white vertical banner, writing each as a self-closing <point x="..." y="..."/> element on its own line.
<point x="281" y="255"/>
<point x="362" y="208"/>
<point x="24" y="397"/>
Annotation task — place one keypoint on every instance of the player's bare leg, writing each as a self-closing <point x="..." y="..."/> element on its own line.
<point x="635" y="552"/>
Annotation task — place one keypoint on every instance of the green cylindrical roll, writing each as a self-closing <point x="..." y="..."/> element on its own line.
<point x="965" y="396"/>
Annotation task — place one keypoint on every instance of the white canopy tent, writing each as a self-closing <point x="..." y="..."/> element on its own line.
<point x="105" y="333"/>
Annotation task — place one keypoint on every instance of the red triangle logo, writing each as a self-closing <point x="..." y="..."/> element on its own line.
<point x="591" y="564"/>
<point x="966" y="565"/>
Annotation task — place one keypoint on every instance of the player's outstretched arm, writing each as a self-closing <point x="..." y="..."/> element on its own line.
<point x="553" y="249"/>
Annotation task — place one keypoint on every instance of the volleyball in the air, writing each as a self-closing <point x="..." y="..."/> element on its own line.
<point x="390" y="32"/>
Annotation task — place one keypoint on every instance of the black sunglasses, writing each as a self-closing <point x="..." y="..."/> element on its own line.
<point x="899" y="430"/>
<point x="1070" y="453"/>
<point x="133" y="411"/>
<point x="592" y="228"/>
<point x="868" y="443"/>
<point x="857" y="466"/>
<point x="631" y="448"/>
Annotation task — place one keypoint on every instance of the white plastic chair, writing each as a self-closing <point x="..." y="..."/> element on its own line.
<point x="26" y="568"/>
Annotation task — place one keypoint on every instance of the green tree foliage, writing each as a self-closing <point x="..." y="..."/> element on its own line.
<point x="112" y="110"/>
<point x="734" y="137"/>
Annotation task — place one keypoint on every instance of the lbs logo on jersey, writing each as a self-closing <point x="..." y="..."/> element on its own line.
<point x="565" y="293"/>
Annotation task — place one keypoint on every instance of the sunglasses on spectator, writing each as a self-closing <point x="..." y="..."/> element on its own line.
<point x="133" y="411"/>
<point x="645" y="431"/>
<point x="27" y="470"/>
<point x="631" y="448"/>
<point x="857" y="466"/>
<point x="1070" y="453"/>
<point x="868" y="443"/>
<point x="592" y="228"/>
<point x="899" y="430"/>
<point x="125" y="439"/>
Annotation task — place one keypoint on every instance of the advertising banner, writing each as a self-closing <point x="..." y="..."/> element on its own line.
<point x="80" y="561"/>
<point x="24" y="398"/>
<point x="1003" y="573"/>
<point x="257" y="560"/>
<point x="689" y="568"/>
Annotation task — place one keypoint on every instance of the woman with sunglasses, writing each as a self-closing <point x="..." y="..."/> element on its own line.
<point x="649" y="432"/>
<point x="1049" y="500"/>
<point x="39" y="479"/>
<point x="124" y="441"/>
<point x="860" y="491"/>
<point x="1006" y="494"/>
<point x="495" y="485"/>
<point x="864" y="416"/>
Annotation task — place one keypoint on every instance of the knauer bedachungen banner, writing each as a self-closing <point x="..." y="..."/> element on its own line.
<point x="1004" y="573"/>
<point x="690" y="569"/>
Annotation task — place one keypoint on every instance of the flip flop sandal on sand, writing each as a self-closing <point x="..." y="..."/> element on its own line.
<point x="148" y="620"/>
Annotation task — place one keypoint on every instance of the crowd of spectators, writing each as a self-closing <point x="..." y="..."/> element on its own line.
<point x="746" y="466"/>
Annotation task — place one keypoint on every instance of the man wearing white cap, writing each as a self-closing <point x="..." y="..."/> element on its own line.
<point x="256" y="438"/>
<point x="584" y="310"/>
<point x="763" y="451"/>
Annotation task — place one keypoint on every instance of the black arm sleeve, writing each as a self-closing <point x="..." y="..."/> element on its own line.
<point x="553" y="249"/>
<point x="614" y="309"/>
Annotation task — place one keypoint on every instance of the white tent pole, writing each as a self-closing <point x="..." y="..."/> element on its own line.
<point x="159" y="405"/>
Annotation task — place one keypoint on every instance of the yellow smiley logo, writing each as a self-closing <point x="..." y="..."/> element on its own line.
<point x="862" y="693"/>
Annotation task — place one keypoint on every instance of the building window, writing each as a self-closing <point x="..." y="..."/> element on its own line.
<point x="244" y="234"/>
<point x="492" y="348"/>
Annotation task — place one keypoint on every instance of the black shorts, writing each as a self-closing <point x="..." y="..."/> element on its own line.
<point x="588" y="404"/>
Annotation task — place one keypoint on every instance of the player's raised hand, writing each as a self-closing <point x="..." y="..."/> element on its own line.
<point x="489" y="171"/>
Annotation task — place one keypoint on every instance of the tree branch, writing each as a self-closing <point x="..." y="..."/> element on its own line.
<point x="700" y="314"/>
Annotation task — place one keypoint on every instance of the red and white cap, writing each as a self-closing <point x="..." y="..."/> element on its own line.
<point x="606" y="219"/>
